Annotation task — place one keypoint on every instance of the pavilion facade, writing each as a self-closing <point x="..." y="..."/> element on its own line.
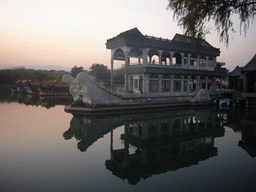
<point x="156" y="65"/>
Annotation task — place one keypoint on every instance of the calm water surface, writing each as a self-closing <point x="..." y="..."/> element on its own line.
<point x="44" y="148"/>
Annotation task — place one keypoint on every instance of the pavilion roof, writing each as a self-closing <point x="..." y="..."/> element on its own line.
<point x="236" y="72"/>
<point x="251" y="65"/>
<point x="135" y="38"/>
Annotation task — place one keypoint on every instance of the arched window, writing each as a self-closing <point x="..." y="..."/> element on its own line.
<point x="193" y="60"/>
<point x="153" y="55"/>
<point x="176" y="59"/>
<point x="119" y="55"/>
<point x="202" y="61"/>
<point x="135" y="56"/>
<point x="135" y="52"/>
<point x="166" y="58"/>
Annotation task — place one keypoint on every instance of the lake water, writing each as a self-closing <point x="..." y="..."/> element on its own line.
<point x="44" y="148"/>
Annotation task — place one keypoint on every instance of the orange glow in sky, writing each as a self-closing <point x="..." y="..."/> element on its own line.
<point x="67" y="33"/>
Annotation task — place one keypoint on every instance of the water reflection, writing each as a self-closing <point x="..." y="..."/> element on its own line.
<point x="153" y="142"/>
<point x="244" y="122"/>
<point x="45" y="101"/>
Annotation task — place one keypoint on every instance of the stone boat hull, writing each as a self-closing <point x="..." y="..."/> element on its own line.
<point x="92" y="97"/>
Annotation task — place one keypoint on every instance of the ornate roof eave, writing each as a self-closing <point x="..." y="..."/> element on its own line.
<point x="134" y="38"/>
<point x="250" y="66"/>
<point x="236" y="72"/>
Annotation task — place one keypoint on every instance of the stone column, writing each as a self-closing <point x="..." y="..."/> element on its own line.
<point x="145" y="56"/>
<point x="182" y="83"/>
<point x="206" y="62"/>
<point x="171" y="87"/>
<point x="160" y="57"/>
<point x="197" y="83"/>
<point x="189" y="83"/>
<point x="171" y="53"/>
<point x="150" y="60"/>
<point x="188" y="61"/>
<point x="206" y="82"/>
<point x="146" y="84"/>
<point x="160" y="83"/>
<point x="112" y="64"/>
<point x="182" y="60"/>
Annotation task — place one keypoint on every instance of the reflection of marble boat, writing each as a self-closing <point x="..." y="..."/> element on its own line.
<point x="163" y="141"/>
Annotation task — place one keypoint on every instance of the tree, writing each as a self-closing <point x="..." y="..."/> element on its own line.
<point x="118" y="74"/>
<point x="75" y="70"/>
<point x="193" y="16"/>
<point x="100" y="71"/>
<point x="10" y="76"/>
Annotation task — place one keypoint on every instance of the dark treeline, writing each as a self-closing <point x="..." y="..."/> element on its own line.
<point x="10" y="76"/>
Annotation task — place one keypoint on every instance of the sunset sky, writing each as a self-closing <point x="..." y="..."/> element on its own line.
<point x="67" y="32"/>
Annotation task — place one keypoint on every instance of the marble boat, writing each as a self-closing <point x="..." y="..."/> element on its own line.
<point x="158" y="73"/>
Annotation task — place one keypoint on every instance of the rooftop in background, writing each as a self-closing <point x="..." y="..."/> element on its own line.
<point x="235" y="72"/>
<point x="251" y="65"/>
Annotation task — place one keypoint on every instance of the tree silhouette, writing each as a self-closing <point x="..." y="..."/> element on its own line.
<point x="193" y="16"/>
<point x="75" y="70"/>
<point x="100" y="71"/>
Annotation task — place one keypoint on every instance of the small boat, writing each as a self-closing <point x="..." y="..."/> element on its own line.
<point x="14" y="90"/>
<point x="52" y="91"/>
<point x="32" y="90"/>
<point x="21" y="90"/>
<point x="223" y="102"/>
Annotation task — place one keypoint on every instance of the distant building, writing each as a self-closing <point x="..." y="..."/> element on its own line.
<point x="243" y="79"/>
<point x="249" y="72"/>
<point x="236" y="79"/>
